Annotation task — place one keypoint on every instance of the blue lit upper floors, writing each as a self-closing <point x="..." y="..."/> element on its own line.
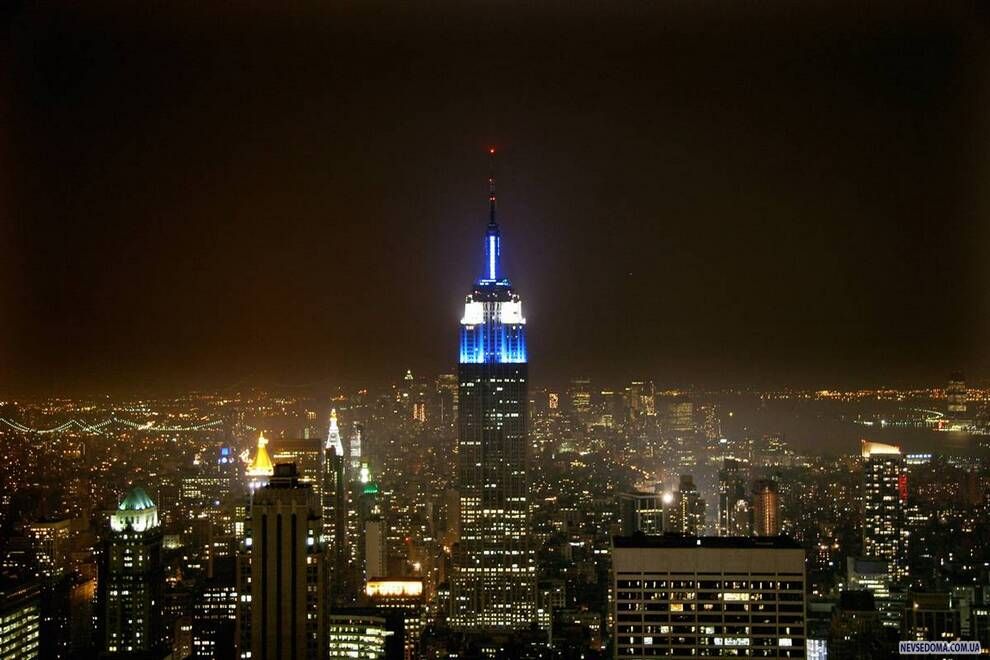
<point x="493" y="328"/>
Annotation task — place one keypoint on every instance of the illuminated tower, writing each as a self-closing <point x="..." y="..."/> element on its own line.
<point x="135" y="581"/>
<point x="334" y="503"/>
<point x="493" y="582"/>
<point x="732" y="500"/>
<point x="884" y="497"/>
<point x="333" y="435"/>
<point x="689" y="508"/>
<point x="766" y="508"/>
<point x="955" y="396"/>
<point x="261" y="468"/>
<point x="355" y="446"/>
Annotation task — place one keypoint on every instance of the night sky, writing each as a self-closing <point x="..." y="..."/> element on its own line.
<point x="218" y="194"/>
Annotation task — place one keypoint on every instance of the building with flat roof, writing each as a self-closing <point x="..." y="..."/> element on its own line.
<point x="282" y="572"/>
<point x="766" y="508"/>
<point x="51" y="539"/>
<point x="359" y="633"/>
<point x="640" y="512"/>
<point x="885" y="494"/>
<point x="20" y="619"/>
<point x="684" y="596"/>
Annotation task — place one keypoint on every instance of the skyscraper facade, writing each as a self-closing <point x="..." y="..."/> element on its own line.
<point x="687" y="516"/>
<point x="284" y="561"/>
<point x="733" y="503"/>
<point x="686" y="596"/>
<point x="955" y="396"/>
<point x="20" y="619"/>
<point x="493" y="583"/>
<point x="640" y="512"/>
<point x="135" y="582"/>
<point x="884" y="499"/>
<point x="766" y="508"/>
<point x="334" y="504"/>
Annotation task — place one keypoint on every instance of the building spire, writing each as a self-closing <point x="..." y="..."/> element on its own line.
<point x="493" y="248"/>
<point x="333" y="435"/>
<point x="491" y="187"/>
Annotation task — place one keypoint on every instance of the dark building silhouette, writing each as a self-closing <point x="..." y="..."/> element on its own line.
<point x="284" y="558"/>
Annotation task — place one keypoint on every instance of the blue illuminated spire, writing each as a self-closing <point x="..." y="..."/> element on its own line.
<point x="493" y="329"/>
<point x="493" y="238"/>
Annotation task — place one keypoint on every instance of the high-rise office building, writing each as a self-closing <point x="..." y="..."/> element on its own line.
<point x="685" y="596"/>
<point x="733" y="501"/>
<point x="640" y="512"/>
<point x="956" y="395"/>
<point x="208" y="488"/>
<point x="766" y="508"/>
<point x="931" y="616"/>
<point x="641" y="398"/>
<point x="371" y="532"/>
<point x="133" y="593"/>
<point x="375" y="555"/>
<point x="311" y="430"/>
<point x="221" y="509"/>
<point x="873" y="575"/>
<point x="283" y="574"/>
<point x="20" y="619"/>
<point x="334" y="504"/>
<point x="215" y="614"/>
<point x="493" y="585"/>
<point x="579" y="396"/>
<point x="306" y="454"/>
<point x="679" y="433"/>
<point x="358" y="633"/>
<point x="885" y="535"/>
<point x="678" y="418"/>
<point x="405" y="597"/>
<point x="447" y="398"/>
<point x="856" y="630"/>
<point x="687" y="513"/>
<point x="610" y="410"/>
<point x="50" y="539"/>
<point x="356" y="453"/>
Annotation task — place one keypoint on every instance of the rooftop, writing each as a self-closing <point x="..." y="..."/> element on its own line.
<point x="640" y="540"/>
<point x="262" y="463"/>
<point x="136" y="500"/>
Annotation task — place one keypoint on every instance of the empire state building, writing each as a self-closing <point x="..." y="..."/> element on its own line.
<point x="493" y="583"/>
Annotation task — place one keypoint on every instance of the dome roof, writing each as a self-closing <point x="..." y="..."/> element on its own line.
<point x="136" y="500"/>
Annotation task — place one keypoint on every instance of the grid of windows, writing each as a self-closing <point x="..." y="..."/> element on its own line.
<point x="683" y="596"/>
<point x="690" y="615"/>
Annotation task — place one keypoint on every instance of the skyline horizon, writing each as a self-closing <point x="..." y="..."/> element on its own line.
<point x="330" y="387"/>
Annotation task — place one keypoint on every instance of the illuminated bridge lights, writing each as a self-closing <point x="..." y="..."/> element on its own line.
<point x="101" y="426"/>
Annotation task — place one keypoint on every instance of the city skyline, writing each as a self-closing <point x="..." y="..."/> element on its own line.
<point x="268" y="391"/>
<point x="817" y="226"/>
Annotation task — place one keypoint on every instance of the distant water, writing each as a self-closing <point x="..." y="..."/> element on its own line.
<point x="828" y="428"/>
